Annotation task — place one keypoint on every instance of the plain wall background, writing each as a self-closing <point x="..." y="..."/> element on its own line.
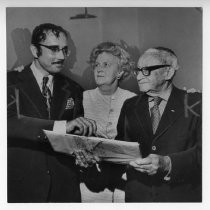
<point x="136" y="28"/>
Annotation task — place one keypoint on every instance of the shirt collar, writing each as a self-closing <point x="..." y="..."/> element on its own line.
<point x="113" y="96"/>
<point x="165" y="95"/>
<point x="39" y="76"/>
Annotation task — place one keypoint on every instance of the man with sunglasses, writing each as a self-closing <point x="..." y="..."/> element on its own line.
<point x="166" y="121"/>
<point x="39" y="97"/>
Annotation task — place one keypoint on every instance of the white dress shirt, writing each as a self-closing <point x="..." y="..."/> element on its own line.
<point x="39" y="78"/>
<point x="59" y="126"/>
<point x="164" y="96"/>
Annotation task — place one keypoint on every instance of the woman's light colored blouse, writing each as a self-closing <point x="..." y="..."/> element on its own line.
<point x="105" y="109"/>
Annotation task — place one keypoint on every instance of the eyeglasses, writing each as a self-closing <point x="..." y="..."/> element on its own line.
<point x="146" y="71"/>
<point x="55" y="49"/>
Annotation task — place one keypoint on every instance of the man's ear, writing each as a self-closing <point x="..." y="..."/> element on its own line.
<point x="120" y="74"/>
<point x="170" y="73"/>
<point x="34" y="51"/>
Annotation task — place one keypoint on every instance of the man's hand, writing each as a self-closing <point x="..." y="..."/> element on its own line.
<point x="191" y="90"/>
<point x="85" y="158"/>
<point x="81" y="126"/>
<point x="19" y="68"/>
<point x="151" y="164"/>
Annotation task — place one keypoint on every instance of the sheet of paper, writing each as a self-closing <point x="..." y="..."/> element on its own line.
<point x="120" y="152"/>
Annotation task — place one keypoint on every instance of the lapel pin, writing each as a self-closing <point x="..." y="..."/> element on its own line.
<point x="173" y="110"/>
<point x="70" y="103"/>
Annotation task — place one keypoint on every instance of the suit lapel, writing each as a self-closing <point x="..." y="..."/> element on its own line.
<point x="173" y="110"/>
<point x="61" y="92"/>
<point x="30" y="88"/>
<point x="142" y="114"/>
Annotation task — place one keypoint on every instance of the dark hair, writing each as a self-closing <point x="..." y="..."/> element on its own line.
<point x="40" y="34"/>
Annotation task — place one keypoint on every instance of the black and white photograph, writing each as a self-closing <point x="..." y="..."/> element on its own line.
<point x="104" y="104"/>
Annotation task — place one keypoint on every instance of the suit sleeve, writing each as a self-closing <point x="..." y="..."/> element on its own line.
<point x="20" y="126"/>
<point x="122" y="126"/>
<point x="78" y="110"/>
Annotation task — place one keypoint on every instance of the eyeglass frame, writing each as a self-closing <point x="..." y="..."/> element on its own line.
<point x="57" y="50"/>
<point x="148" y="69"/>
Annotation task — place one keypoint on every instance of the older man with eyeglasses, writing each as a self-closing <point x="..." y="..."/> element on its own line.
<point x="39" y="97"/>
<point x="166" y="121"/>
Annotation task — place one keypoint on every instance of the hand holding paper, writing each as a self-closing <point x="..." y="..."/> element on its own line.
<point x="81" y="126"/>
<point x="151" y="164"/>
<point x="111" y="150"/>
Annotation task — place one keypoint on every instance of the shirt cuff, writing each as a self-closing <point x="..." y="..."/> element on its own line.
<point x="60" y="127"/>
<point x="98" y="167"/>
<point x="167" y="176"/>
<point x="124" y="176"/>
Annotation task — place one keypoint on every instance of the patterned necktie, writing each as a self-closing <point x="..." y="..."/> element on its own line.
<point x="47" y="94"/>
<point x="155" y="114"/>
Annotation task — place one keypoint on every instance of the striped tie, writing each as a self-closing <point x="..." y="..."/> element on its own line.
<point x="155" y="114"/>
<point x="47" y="94"/>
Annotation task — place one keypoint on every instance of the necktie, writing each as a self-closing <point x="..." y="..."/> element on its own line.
<point x="155" y="113"/>
<point x="47" y="94"/>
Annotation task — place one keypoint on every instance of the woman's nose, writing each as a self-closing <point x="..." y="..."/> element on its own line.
<point x="99" y="68"/>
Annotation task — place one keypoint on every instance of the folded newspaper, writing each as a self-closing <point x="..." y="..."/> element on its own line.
<point x="120" y="152"/>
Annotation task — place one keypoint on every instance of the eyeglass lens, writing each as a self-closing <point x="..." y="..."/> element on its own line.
<point x="56" y="49"/>
<point x="147" y="70"/>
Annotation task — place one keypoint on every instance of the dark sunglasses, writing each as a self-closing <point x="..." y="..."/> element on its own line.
<point x="147" y="70"/>
<point x="55" y="49"/>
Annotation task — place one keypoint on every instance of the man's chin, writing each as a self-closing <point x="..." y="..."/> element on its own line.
<point x="58" y="66"/>
<point x="143" y="89"/>
<point x="55" y="71"/>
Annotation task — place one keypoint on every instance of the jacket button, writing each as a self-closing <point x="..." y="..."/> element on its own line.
<point x="48" y="171"/>
<point x="154" y="148"/>
<point x="111" y="110"/>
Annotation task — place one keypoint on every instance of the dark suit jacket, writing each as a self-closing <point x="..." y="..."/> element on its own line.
<point x="35" y="172"/>
<point x="178" y="136"/>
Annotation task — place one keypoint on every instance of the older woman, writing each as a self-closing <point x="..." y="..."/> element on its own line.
<point x="111" y="64"/>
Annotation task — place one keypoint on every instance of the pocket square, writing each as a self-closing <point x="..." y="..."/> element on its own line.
<point x="70" y="103"/>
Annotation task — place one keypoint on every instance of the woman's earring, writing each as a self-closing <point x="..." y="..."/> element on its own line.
<point x="120" y="75"/>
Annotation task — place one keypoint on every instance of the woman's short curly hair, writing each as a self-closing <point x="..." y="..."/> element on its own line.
<point x="117" y="50"/>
